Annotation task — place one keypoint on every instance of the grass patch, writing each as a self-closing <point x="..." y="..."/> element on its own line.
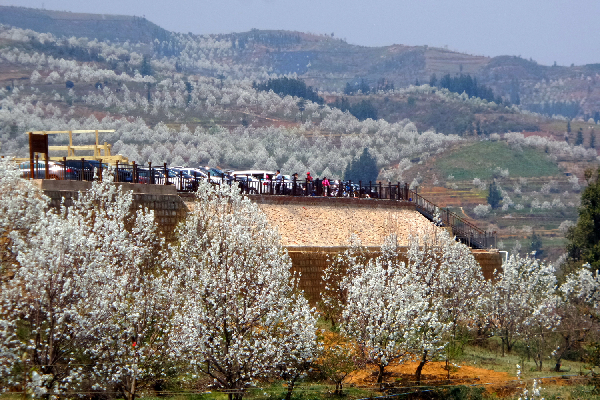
<point x="480" y="159"/>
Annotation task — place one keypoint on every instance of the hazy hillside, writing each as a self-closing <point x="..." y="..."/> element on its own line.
<point x="328" y="63"/>
<point x="92" y="26"/>
<point x="196" y="100"/>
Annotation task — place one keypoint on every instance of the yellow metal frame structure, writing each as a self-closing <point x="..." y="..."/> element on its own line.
<point x="101" y="152"/>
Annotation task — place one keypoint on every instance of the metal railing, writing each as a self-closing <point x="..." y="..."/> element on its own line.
<point x="464" y="231"/>
<point x="468" y="233"/>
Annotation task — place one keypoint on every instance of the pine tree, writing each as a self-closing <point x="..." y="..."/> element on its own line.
<point x="536" y="244"/>
<point x="433" y="80"/>
<point x="363" y="169"/>
<point x="146" y="68"/>
<point x="579" y="140"/>
<point x="584" y="238"/>
<point x="495" y="195"/>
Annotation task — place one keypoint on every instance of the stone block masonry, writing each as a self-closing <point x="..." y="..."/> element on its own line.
<point x="169" y="208"/>
<point x="310" y="262"/>
<point x="313" y="230"/>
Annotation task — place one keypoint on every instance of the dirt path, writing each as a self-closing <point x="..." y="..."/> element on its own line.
<point x="435" y="373"/>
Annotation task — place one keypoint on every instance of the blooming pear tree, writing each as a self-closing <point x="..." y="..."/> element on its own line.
<point x="80" y="291"/>
<point x="399" y="310"/>
<point x="239" y="314"/>
<point x="449" y="282"/>
<point x="125" y="321"/>
<point x="577" y="311"/>
<point x="521" y="303"/>
<point x="381" y="303"/>
<point x="22" y="204"/>
<point x="336" y="277"/>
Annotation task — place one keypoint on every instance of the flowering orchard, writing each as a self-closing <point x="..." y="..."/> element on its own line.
<point x="94" y="300"/>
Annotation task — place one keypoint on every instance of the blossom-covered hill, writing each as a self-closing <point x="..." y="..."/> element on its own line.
<point x="193" y="100"/>
<point x="329" y="63"/>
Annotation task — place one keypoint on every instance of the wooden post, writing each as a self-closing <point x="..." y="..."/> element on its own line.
<point x="30" y="156"/>
<point x="96" y="149"/>
<point x="70" y="151"/>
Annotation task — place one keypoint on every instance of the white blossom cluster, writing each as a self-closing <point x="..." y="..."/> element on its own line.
<point x="399" y="310"/>
<point x="92" y="299"/>
<point x="269" y="147"/>
<point x="559" y="149"/>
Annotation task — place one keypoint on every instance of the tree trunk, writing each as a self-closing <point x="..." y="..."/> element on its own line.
<point x="290" y="389"/>
<point x="380" y="375"/>
<point x="420" y="367"/>
<point x="338" y="388"/>
<point x="238" y="395"/>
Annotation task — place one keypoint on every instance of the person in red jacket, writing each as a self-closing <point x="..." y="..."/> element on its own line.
<point x="309" y="184"/>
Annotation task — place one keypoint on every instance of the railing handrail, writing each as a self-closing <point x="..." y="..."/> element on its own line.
<point x="461" y="228"/>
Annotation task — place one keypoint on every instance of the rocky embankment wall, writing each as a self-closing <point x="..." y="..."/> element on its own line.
<point x="312" y="229"/>
<point x="169" y="208"/>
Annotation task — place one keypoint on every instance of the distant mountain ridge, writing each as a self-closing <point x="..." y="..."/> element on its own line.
<point x="329" y="64"/>
<point x="99" y="26"/>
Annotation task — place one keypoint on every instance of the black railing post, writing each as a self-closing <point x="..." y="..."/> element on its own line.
<point x="150" y="174"/>
<point x="166" y="173"/>
<point x="65" y="168"/>
<point x="82" y="169"/>
<point x="117" y="171"/>
<point x="134" y="172"/>
<point x="294" y="186"/>
<point x="100" y="172"/>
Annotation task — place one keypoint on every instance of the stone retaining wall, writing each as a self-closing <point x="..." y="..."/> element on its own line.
<point x="169" y="209"/>
<point x="310" y="262"/>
